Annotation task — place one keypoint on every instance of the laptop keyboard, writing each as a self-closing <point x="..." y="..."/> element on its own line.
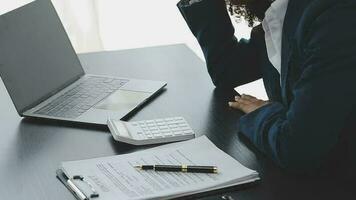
<point x="82" y="97"/>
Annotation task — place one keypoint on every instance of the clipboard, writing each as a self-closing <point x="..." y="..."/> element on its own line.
<point x="235" y="174"/>
<point x="70" y="184"/>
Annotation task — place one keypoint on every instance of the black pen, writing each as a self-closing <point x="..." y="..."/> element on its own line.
<point x="179" y="168"/>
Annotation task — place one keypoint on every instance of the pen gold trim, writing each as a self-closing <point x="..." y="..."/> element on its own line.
<point x="139" y="167"/>
<point x="184" y="168"/>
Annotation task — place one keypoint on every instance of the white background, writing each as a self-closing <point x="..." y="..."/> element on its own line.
<point x="99" y="25"/>
<point x="95" y="25"/>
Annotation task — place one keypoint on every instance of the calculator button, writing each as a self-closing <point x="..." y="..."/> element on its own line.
<point x="169" y="119"/>
<point x="175" y="129"/>
<point x="155" y="132"/>
<point x="153" y="128"/>
<point x="187" y="132"/>
<point x="166" y="132"/>
<point x="178" y="133"/>
<point x="164" y="127"/>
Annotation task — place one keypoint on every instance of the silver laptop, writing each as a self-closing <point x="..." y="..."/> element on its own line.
<point x="45" y="79"/>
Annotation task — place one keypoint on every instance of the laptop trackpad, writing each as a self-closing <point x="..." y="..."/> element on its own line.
<point x="123" y="100"/>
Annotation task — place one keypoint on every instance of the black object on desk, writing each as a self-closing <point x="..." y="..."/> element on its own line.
<point x="179" y="168"/>
<point x="31" y="150"/>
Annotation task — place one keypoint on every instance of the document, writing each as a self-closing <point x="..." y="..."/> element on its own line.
<point x="116" y="178"/>
<point x="255" y="88"/>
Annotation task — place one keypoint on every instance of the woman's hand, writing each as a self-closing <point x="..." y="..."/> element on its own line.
<point x="247" y="103"/>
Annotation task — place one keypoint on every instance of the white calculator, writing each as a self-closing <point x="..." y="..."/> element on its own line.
<point x="151" y="131"/>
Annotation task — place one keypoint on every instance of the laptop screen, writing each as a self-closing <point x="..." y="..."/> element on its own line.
<point x="36" y="56"/>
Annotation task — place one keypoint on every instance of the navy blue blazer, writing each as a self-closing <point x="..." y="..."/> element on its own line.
<point x="310" y="122"/>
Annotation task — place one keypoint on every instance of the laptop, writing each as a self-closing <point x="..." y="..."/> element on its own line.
<point x="44" y="76"/>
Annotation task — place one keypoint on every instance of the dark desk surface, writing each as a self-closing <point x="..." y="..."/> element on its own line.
<point x="31" y="150"/>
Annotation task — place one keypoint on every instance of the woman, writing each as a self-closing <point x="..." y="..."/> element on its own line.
<point x="305" y="51"/>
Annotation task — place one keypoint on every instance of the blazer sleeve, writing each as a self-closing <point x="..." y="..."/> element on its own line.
<point x="302" y="136"/>
<point x="230" y="62"/>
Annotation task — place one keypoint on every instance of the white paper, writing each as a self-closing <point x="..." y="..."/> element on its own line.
<point x="116" y="178"/>
<point x="255" y="88"/>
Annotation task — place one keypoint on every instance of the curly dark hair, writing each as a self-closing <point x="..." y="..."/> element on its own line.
<point x="250" y="10"/>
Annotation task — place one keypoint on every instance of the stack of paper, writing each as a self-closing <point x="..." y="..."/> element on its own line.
<point x="116" y="178"/>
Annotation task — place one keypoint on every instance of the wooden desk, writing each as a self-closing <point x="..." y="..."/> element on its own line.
<point x="31" y="150"/>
